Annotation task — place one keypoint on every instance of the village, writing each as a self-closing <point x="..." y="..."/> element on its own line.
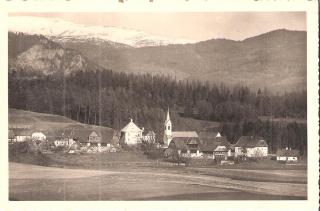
<point x="176" y="146"/>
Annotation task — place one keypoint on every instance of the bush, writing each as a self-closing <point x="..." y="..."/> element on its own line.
<point x="201" y="162"/>
<point x="155" y="153"/>
<point x="59" y="149"/>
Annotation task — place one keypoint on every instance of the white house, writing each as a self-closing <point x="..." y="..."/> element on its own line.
<point x="131" y="134"/>
<point x="287" y="155"/>
<point x="251" y="146"/>
<point x="38" y="136"/>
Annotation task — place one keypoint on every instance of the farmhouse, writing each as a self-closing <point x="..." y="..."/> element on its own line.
<point x="22" y="134"/>
<point x="186" y="146"/>
<point x="217" y="148"/>
<point x="89" y="137"/>
<point x="169" y="135"/>
<point x="131" y="134"/>
<point x="287" y="155"/>
<point x="251" y="146"/>
<point x="38" y="136"/>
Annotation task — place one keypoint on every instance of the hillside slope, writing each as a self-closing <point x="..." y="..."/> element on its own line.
<point x="49" y="122"/>
<point x="38" y="54"/>
<point x="276" y="60"/>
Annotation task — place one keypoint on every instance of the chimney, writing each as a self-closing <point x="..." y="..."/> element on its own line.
<point x="142" y="128"/>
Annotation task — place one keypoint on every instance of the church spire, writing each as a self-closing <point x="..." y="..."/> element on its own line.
<point x="168" y="115"/>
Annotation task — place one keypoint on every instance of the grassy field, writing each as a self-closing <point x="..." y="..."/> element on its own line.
<point x="31" y="182"/>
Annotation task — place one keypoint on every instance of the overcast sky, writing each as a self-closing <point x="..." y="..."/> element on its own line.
<point x="196" y="26"/>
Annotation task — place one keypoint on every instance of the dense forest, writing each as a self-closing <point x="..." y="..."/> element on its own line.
<point x="109" y="98"/>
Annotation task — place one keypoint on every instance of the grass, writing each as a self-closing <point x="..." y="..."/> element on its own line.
<point x="28" y="182"/>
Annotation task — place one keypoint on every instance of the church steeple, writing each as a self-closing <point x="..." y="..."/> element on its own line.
<point x="167" y="130"/>
<point x="168" y="116"/>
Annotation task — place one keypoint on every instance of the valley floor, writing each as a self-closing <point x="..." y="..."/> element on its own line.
<point x="32" y="182"/>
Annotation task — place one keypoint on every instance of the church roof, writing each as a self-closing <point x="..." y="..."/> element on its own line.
<point x="184" y="134"/>
<point x="131" y="127"/>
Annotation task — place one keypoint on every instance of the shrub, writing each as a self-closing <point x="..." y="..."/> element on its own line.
<point x="155" y="153"/>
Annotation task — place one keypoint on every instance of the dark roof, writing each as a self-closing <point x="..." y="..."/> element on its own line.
<point x="288" y="153"/>
<point x="208" y="134"/>
<point x="185" y="143"/>
<point x="82" y="134"/>
<point x="251" y="141"/>
<point x="22" y="131"/>
<point x="210" y="145"/>
<point x="11" y="134"/>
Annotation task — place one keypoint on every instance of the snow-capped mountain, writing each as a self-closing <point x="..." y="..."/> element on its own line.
<point x="64" y="31"/>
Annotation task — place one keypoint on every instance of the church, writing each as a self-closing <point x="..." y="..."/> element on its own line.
<point x="170" y="135"/>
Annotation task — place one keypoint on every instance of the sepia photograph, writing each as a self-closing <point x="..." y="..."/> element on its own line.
<point x="166" y="106"/>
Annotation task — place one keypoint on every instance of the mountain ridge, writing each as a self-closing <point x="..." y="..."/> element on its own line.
<point x="275" y="60"/>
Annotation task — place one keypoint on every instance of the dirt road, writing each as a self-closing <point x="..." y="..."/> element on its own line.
<point x="30" y="182"/>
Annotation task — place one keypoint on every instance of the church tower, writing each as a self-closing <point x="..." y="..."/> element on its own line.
<point x="167" y="130"/>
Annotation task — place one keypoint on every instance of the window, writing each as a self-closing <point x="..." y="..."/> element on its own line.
<point x="168" y="127"/>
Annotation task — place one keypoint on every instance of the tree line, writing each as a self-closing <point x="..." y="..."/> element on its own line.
<point x="109" y="98"/>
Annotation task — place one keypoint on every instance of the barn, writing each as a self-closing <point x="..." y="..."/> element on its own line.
<point x="186" y="145"/>
<point x="216" y="148"/>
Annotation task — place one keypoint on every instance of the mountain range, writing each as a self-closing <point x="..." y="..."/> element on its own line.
<point x="275" y="60"/>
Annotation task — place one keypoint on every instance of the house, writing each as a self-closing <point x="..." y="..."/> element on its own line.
<point x="150" y="137"/>
<point x="131" y="134"/>
<point x="89" y="137"/>
<point x="216" y="148"/>
<point x="251" y="146"/>
<point x="38" y="136"/>
<point x="22" y="134"/>
<point x="11" y="136"/>
<point x="186" y="146"/>
<point x="169" y="135"/>
<point x="287" y="155"/>
<point x="61" y="141"/>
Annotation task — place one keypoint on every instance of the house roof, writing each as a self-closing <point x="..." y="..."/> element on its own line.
<point x="22" y="131"/>
<point x="131" y="127"/>
<point x="208" y="134"/>
<point x="288" y="153"/>
<point x="185" y="143"/>
<point x="106" y="136"/>
<point x="251" y="141"/>
<point x="11" y="134"/>
<point x="184" y="134"/>
<point x="211" y="145"/>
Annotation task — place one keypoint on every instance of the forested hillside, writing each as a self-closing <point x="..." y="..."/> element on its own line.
<point x="109" y="98"/>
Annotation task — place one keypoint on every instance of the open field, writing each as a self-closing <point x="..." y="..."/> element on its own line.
<point x="31" y="182"/>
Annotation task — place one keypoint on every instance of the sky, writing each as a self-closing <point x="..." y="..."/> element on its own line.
<point x="196" y="26"/>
